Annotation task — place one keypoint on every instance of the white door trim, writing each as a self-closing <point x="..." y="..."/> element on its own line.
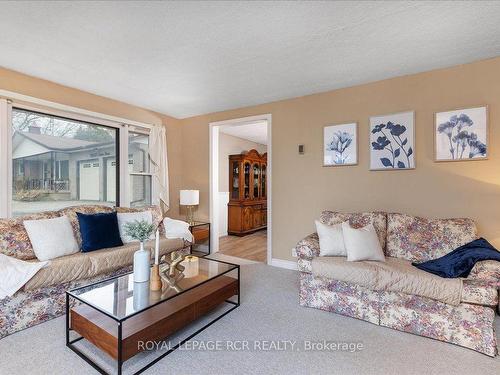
<point x="214" y="177"/>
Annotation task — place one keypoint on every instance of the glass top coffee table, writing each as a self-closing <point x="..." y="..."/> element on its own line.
<point x="118" y="316"/>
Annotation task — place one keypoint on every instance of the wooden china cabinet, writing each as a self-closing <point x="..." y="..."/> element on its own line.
<point x="247" y="207"/>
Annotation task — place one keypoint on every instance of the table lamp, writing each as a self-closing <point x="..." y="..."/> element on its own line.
<point x="190" y="198"/>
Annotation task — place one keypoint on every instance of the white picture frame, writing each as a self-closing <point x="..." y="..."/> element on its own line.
<point x="392" y="141"/>
<point x="461" y="134"/>
<point x="340" y="145"/>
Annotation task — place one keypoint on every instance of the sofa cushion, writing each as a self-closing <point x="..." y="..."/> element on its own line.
<point x="419" y="239"/>
<point x="86" y="265"/>
<point x="155" y="211"/>
<point x="125" y="218"/>
<point x="70" y="212"/>
<point x="459" y="262"/>
<point x="482" y="286"/>
<point x="331" y="239"/>
<point x="362" y="243"/>
<point x="338" y="268"/>
<point x="14" y="240"/>
<point x="51" y="238"/>
<point x="479" y="292"/>
<point x="109" y="260"/>
<point x="359" y="220"/>
<point x="99" y="231"/>
<point x="395" y="274"/>
<point x="60" y="270"/>
<point x="487" y="271"/>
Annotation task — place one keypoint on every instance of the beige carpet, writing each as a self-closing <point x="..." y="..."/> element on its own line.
<point x="269" y="311"/>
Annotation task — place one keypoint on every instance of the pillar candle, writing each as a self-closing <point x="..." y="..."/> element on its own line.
<point x="191" y="265"/>
<point x="157" y="246"/>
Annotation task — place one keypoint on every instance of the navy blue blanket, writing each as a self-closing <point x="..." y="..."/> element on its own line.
<point x="460" y="261"/>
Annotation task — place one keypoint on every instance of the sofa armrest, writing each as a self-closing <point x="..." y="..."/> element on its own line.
<point x="308" y="247"/>
<point x="488" y="271"/>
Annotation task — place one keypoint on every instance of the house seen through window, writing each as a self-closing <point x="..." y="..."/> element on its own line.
<point x="58" y="162"/>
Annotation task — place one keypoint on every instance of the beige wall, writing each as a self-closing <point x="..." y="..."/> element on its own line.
<point x="230" y="145"/>
<point x="27" y="85"/>
<point x="302" y="187"/>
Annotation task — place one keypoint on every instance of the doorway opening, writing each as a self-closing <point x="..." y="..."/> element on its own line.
<point x="240" y="188"/>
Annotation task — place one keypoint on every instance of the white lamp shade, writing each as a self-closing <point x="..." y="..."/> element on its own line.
<point x="190" y="197"/>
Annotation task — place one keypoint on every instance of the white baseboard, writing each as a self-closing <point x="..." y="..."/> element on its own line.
<point x="288" y="264"/>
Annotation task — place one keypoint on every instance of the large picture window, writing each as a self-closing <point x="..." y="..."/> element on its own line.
<point x="58" y="162"/>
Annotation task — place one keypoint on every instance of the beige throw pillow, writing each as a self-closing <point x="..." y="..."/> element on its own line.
<point x="362" y="243"/>
<point x="331" y="239"/>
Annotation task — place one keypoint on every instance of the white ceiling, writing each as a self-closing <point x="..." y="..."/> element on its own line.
<point x="189" y="58"/>
<point x="255" y="132"/>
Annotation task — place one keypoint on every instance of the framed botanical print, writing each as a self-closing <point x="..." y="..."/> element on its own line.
<point x="461" y="134"/>
<point x="392" y="141"/>
<point x="340" y="145"/>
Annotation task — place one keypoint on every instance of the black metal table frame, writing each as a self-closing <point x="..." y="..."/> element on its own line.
<point x="70" y="343"/>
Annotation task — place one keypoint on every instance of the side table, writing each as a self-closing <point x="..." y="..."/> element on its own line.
<point x="201" y="234"/>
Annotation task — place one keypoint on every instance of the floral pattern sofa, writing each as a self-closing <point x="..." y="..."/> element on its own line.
<point x="43" y="297"/>
<point x="469" y="324"/>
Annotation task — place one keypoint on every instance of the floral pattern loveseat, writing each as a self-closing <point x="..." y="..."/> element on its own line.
<point x="469" y="324"/>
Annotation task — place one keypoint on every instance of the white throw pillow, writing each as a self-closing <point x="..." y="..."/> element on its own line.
<point x="331" y="239"/>
<point x="129" y="217"/>
<point x="362" y="243"/>
<point x="51" y="238"/>
<point x="14" y="273"/>
<point x="177" y="229"/>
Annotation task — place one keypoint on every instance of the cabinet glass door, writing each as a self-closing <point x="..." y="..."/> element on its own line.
<point x="263" y="181"/>
<point x="256" y="182"/>
<point x="235" y="183"/>
<point x="246" y="180"/>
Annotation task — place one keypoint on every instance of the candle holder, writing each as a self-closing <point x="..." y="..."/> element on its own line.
<point x="171" y="276"/>
<point x="156" y="283"/>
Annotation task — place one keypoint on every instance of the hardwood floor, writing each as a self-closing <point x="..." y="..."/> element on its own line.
<point x="252" y="247"/>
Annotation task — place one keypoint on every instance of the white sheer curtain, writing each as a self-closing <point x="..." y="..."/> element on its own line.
<point x="159" y="161"/>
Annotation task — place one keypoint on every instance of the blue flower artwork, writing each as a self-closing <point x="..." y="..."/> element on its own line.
<point x="340" y="145"/>
<point x="461" y="134"/>
<point x="392" y="141"/>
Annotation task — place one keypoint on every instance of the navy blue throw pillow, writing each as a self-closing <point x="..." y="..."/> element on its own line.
<point x="99" y="231"/>
<point x="460" y="261"/>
